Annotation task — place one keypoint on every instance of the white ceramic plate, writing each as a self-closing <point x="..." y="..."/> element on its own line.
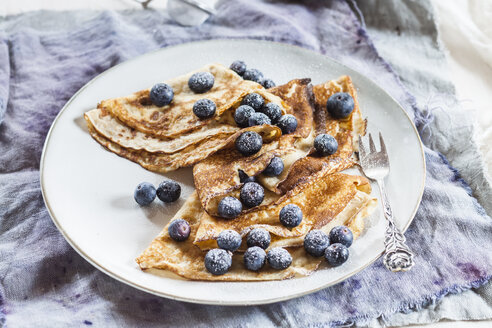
<point x="89" y="190"/>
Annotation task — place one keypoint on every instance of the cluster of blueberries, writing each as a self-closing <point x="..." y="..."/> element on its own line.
<point x="254" y="111"/>
<point x="251" y="74"/>
<point x="168" y="191"/>
<point x="218" y="261"/>
<point x="162" y="94"/>
<point x="333" y="246"/>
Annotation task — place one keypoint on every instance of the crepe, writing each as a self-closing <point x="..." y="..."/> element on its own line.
<point x="177" y="118"/>
<point x="217" y="176"/>
<point x="298" y="95"/>
<point x="114" y="130"/>
<point x="321" y="199"/>
<point x="345" y="131"/>
<point x="353" y="125"/>
<point x="187" y="260"/>
<point x="162" y="162"/>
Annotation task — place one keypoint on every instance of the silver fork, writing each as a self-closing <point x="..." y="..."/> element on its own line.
<point x="397" y="255"/>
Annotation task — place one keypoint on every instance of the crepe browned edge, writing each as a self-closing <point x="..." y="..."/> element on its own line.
<point x="321" y="199"/>
<point x="114" y="130"/>
<point x="298" y="95"/>
<point x="346" y="131"/>
<point x="217" y="176"/>
<point x="187" y="260"/>
<point x="138" y="112"/>
<point x="325" y="123"/>
<point x="191" y="155"/>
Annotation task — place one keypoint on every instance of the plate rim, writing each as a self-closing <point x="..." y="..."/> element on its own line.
<point x="159" y="293"/>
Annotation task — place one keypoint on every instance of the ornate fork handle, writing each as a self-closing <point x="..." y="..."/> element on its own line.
<point x="397" y="255"/>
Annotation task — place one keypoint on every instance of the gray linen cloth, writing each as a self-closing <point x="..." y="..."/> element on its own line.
<point x="45" y="57"/>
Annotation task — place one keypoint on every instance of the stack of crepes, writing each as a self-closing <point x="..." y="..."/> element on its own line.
<point x="164" y="139"/>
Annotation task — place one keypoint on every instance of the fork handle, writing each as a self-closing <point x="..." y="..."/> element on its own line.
<point x="397" y="255"/>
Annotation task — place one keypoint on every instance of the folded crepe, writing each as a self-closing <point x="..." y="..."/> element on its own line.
<point x="187" y="260"/>
<point x="109" y="125"/>
<point x="217" y="176"/>
<point x="177" y="118"/>
<point x="164" y="162"/>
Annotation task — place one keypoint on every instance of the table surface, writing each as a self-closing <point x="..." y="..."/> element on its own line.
<point x="471" y="68"/>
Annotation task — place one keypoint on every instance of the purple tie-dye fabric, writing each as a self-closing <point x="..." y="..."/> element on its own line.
<point x="46" y="57"/>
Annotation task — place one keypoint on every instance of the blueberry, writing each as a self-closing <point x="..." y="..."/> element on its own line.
<point x="325" y="144"/>
<point x="275" y="167"/>
<point x="169" y="191"/>
<point x="342" y="235"/>
<point x="287" y="123"/>
<point x="204" y="108"/>
<point x="316" y="242"/>
<point x="258" y="237"/>
<point x="273" y="111"/>
<point x="201" y="82"/>
<point x="229" y="240"/>
<point x="179" y="230"/>
<point x="249" y="143"/>
<point x="254" y="258"/>
<point x="254" y="100"/>
<point x="340" y="105"/>
<point x="161" y="94"/>
<point x="144" y="193"/>
<point x="252" y="194"/>
<point x="243" y="177"/>
<point x="239" y="67"/>
<point x="242" y="115"/>
<point x="290" y="215"/>
<point x="253" y="74"/>
<point x="336" y="254"/>
<point x="229" y="207"/>
<point x="258" y="119"/>
<point x="268" y="83"/>
<point x="279" y="258"/>
<point x="218" y="261"/>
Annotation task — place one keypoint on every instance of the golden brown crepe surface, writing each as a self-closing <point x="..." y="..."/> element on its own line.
<point x="177" y="118"/>
<point x="321" y="199"/>
<point x="160" y="162"/>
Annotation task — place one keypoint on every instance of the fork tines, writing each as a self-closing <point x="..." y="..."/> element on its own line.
<point x="372" y="146"/>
